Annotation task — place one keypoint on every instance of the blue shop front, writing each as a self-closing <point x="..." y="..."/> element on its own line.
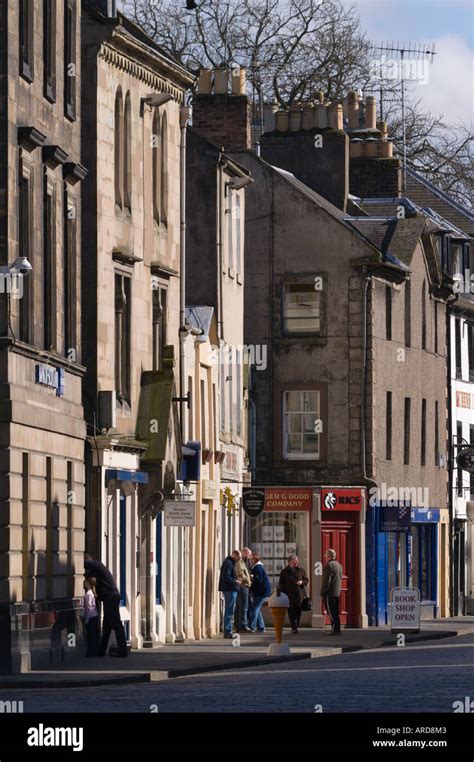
<point x="402" y="551"/>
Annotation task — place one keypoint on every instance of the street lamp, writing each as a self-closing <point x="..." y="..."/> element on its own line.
<point x="20" y="265"/>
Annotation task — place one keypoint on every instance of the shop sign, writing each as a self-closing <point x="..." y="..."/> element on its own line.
<point x="341" y="499"/>
<point x="210" y="489"/>
<point x="253" y="501"/>
<point x="180" y="513"/>
<point x="405" y="609"/>
<point x="463" y="399"/>
<point x="52" y="377"/>
<point x="395" y="518"/>
<point x="424" y="515"/>
<point x="465" y="459"/>
<point x="288" y="499"/>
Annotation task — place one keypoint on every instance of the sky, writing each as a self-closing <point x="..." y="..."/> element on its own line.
<point x="447" y="86"/>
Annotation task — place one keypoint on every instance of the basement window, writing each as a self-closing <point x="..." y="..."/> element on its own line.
<point x="301" y="308"/>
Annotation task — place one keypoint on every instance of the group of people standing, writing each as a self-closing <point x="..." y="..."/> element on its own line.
<point x="245" y="586"/>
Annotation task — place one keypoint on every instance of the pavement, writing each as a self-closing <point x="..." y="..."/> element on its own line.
<point x="216" y="654"/>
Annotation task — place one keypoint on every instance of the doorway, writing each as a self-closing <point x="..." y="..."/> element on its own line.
<point x="342" y="536"/>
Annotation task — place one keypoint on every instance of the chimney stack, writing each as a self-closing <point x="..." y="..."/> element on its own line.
<point x="223" y="117"/>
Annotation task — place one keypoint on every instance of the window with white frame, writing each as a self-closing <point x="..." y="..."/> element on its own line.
<point x="301" y="309"/>
<point x="301" y="425"/>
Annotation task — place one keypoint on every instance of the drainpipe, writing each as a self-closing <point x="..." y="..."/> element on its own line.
<point x="184" y="114"/>
<point x="220" y="315"/>
<point x="451" y="455"/>
<point x="364" y="374"/>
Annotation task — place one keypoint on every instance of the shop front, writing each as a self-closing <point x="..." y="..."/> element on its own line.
<point x="402" y="544"/>
<point x="307" y="521"/>
<point x="342" y="516"/>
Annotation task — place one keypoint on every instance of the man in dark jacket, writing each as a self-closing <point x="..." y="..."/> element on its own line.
<point x="261" y="590"/>
<point x="292" y="582"/>
<point x="229" y="585"/>
<point x="108" y="593"/>
<point x="331" y="589"/>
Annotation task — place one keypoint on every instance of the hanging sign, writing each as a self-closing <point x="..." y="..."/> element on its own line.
<point x="253" y="501"/>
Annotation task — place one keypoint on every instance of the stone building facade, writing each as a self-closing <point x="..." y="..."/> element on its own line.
<point x="215" y="275"/>
<point x="319" y="275"/>
<point x="132" y="103"/>
<point x="41" y="420"/>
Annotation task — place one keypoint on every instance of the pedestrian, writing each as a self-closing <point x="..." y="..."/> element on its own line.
<point x="109" y="595"/>
<point x="331" y="589"/>
<point x="242" y="608"/>
<point x="229" y="586"/>
<point x="91" y="616"/>
<point x="292" y="582"/>
<point x="261" y="590"/>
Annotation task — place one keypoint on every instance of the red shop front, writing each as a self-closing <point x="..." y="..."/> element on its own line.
<point x="342" y="514"/>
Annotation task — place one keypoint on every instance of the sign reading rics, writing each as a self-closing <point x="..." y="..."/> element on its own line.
<point x="405" y="609"/>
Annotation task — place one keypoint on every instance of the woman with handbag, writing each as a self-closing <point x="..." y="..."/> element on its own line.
<point x="292" y="582"/>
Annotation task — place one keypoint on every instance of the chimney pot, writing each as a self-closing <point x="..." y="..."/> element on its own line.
<point x="205" y="82"/>
<point x="356" y="147"/>
<point x="238" y="81"/>
<point x="371" y="147"/>
<point x="383" y="127"/>
<point x="322" y="115"/>
<point x="320" y="96"/>
<point x="295" y="117"/>
<point x="386" y="149"/>
<point x="221" y="81"/>
<point x="282" y="121"/>
<point x="353" y="110"/>
<point x="269" y="120"/>
<point x="308" y="116"/>
<point x="335" y="116"/>
<point x="370" y="112"/>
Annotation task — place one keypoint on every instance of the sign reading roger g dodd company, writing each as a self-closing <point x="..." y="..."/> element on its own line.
<point x="405" y="609"/>
<point x="180" y="513"/>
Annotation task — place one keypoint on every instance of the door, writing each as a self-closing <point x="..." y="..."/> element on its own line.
<point x="341" y="536"/>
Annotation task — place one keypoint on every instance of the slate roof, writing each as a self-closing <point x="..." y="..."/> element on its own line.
<point x="425" y="194"/>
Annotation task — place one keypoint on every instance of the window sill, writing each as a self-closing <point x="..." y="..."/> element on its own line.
<point x="26" y="74"/>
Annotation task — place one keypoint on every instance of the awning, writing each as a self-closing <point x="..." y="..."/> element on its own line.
<point x="136" y="477"/>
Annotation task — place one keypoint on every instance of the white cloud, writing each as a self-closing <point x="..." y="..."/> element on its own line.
<point x="451" y="80"/>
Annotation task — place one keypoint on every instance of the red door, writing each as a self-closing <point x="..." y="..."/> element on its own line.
<point x="342" y="537"/>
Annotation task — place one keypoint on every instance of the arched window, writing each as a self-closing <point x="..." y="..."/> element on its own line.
<point x="118" y="147"/>
<point x="164" y="172"/>
<point x="423" y="316"/>
<point x="127" y="149"/>
<point x="156" y="156"/>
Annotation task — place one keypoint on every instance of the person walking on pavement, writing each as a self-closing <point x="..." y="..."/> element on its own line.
<point x="242" y="607"/>
<point x="108" y="594"/>
<point x="91" y="617"/>
<point x="261" y="590"/>
<point x="331" y="589"/>
<point x="229" y="586"/>
<point x="292" y="582"/>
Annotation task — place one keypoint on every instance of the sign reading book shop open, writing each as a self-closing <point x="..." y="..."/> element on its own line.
<point x="405" y="609"/>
